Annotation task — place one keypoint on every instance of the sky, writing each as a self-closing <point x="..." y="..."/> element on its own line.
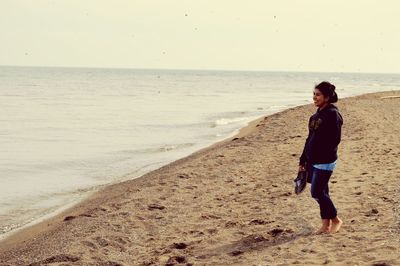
<point x="284" y="35"/>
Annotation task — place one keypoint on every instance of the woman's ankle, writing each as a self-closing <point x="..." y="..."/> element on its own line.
<point x="326" y="222"/>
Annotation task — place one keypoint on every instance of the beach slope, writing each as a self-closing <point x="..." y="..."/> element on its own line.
<point x="233" y="202"/>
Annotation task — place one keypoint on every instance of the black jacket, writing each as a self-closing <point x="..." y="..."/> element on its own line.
<point x="324" y="134"/>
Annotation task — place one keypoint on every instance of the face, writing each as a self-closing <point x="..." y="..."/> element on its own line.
<point x="319" y="99"/>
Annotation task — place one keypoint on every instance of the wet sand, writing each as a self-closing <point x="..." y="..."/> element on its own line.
<point x="233" y="202"/>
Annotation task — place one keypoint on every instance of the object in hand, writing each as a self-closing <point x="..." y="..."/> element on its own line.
<point x="300" y="182"/>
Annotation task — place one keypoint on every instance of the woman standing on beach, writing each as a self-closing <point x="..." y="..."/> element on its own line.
<point x="320" y="153"/>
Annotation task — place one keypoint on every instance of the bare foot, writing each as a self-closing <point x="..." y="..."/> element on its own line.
<point x="336" y="224"/>
<point x="324" y="227"/>
<point x="322" y="230"/>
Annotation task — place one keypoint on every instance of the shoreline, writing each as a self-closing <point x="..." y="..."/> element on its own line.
<point x="13" y="237"/>
<point x="242" y="132"/>
<point x="86" y="195"/>
<point x="244" y="139"/>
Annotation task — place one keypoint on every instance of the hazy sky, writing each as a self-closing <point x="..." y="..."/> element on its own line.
<point x="288" y="35"/>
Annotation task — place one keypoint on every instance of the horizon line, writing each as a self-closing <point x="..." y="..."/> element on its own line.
<point x="198" y="69"/>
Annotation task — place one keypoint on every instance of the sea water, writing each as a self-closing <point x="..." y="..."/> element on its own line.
<point x="66" y="131"/>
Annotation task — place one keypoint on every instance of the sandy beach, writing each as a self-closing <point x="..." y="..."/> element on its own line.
<point x="233" y="202"/>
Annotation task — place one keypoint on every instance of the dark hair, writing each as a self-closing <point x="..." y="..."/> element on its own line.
<point x="328" y="90"/>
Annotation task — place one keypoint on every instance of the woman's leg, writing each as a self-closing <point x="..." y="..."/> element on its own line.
<point x="320" y="192"/>
<point x="336" y="222"/>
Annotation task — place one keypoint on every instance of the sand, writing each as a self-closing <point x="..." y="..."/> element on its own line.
<point x="233" y="203"/>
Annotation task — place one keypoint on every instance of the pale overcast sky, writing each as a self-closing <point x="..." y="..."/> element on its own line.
<point x="281" y="35"/>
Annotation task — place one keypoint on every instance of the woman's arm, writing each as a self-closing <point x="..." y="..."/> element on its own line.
<point x="335" y="122"/>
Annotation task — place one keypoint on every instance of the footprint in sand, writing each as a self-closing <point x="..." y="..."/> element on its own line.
<point x="196" y="233"/>
<point x="180" y="245"/>
<point x="89" y="244"/>
<point x="69" y="218"/>
<point x="155" y="206"/>
<point x="112" y="242"/>
<point x="212" y="231"/>
<point x="259" y="222"/>
<point x="175" y="260"/>
<point x="56" y="259"/>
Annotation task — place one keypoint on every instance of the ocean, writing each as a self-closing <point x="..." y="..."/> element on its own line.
<point x="65" y="132"/>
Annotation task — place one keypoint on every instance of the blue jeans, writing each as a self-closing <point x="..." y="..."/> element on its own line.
<point x="320" y="192"/>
